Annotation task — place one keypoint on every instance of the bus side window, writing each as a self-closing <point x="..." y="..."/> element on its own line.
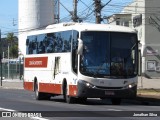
<point x="74" y="51"/>
<point x="30" y="48"/>
<point x="48" y="42"/>
<point x="74" y="60"/>
<point x="27" y="42"/>
<point x="27" y="45"/>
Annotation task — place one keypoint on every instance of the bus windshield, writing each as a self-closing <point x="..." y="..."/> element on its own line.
<point x="109" y="54"/>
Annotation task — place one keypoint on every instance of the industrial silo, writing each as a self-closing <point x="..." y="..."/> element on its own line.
<point x="32" y="15"/>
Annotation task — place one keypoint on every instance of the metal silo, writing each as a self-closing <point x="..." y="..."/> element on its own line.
<point x="32" y="15"/>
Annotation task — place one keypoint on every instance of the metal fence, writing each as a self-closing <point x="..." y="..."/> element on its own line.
<point x="12" y="71"/>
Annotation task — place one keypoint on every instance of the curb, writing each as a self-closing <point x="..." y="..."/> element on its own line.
<point x="144" y="100"/>
<point x="154" y="100"/>
<point x="11" y="88"/>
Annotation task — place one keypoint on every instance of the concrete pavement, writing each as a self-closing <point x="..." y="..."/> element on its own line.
<point x="12" y="84"/>
<point x="145" y="83"/>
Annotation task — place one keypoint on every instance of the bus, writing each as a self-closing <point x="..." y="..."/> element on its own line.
<point x="82" y="60"/>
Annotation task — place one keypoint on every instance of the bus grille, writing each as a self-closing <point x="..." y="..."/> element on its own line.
<point x="109" y="87"/>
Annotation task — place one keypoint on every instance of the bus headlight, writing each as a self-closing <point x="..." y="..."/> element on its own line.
<point x="90" y="85"/>
<point x="87" y="84"/>
<point x="129" y="86"/>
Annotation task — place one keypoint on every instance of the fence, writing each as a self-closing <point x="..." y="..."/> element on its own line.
<point x="12" y="71"/>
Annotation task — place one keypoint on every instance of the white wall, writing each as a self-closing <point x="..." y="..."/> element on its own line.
<point x="148" y="32"/>
<point x="137" y="8"/>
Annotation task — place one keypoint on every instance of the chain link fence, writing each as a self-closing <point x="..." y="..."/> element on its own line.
<point x="12" y="71"/>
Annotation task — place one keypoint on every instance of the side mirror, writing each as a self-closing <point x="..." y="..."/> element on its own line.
<point x="139" y="44"/>
<point x="80" y="47"/>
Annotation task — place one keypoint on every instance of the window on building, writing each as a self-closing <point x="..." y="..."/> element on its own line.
<point x="126" y="23"/>
<point x="117" y="22"/>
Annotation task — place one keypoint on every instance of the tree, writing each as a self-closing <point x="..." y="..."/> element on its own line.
<point x="14" y="51"/>
<point x="13" y="43"/>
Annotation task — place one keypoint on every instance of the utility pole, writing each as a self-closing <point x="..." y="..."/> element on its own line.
<point x="1" y="56"/>
<point x="56" y="10"/>
<point x="74" y="17"/>
<point x="98" y="8"/>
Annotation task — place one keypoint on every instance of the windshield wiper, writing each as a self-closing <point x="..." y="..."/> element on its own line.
<point x="133" y="46"/>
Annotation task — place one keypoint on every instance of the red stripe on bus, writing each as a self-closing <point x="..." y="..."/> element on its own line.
<point x="28" y="86"/>
<point x="72" y="90"/>
<point x="50" y="88"/>
<point x="36" y="62"/>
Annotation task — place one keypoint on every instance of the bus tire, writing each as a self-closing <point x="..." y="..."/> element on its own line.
<point x="116" y="101"/>
<point x="38" y="95"/>
<point x="68" y="98"/>
<point x="64" y="89"/>
<point x="82" y="100"/>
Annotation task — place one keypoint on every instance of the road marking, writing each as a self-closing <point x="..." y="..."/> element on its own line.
<point x="114" y="110"/>
<point x="34" y="118"/>
<point x="38" y="118"/>
<point x="7" y="109"/>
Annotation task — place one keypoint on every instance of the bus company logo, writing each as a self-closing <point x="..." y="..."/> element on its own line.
<point x="35" y="62"/>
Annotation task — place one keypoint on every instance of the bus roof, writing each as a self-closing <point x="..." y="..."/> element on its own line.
<point x="83" y="27"/>
<point x="91" y="26"/>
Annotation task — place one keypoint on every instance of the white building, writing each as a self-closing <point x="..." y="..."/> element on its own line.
<point x="144" y="16"/>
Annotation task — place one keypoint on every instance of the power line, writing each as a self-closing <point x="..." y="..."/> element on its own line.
<point x="88" y="12"/>
<point x="65" y="8"/>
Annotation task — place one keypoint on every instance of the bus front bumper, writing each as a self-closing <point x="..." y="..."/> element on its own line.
<point x="89" y="91"/>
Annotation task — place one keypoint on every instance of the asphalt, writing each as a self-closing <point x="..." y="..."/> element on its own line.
<point x="148" y="89"/>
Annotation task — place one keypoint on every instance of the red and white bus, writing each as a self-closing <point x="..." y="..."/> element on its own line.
<point x="80" y="61"/>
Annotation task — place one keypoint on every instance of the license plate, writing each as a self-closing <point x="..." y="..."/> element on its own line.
<point x="109" y="93"/>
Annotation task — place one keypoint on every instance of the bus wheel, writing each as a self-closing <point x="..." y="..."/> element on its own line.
<point x="116" y="101"/>
<point x="68" y="98"/>
<point x="46" y="96"/>
<point x="102" y="98"/>
<point x="82" y="100"/>
<point x="38" y="95"/>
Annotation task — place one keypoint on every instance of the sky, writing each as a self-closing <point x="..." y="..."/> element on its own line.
<point x="9" y="12"/>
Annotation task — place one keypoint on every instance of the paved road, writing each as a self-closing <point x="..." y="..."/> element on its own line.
<point x="143" y="83"/>
<point x="21" y="100"/>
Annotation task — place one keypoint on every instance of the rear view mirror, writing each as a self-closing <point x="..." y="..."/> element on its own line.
<point x="80" y="47"/>
<point x="139" y="44"/>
